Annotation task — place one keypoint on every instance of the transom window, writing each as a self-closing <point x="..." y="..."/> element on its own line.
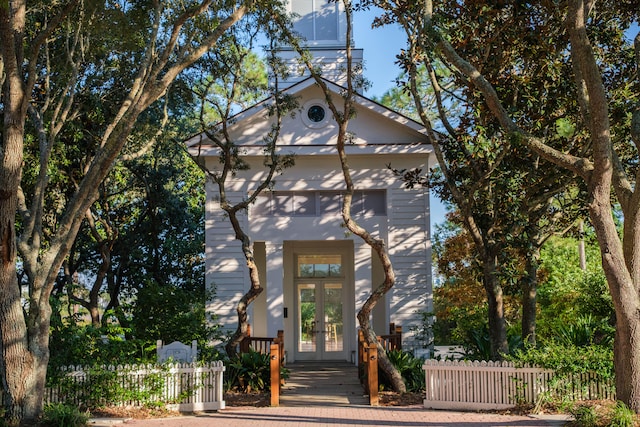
<point x="318" y="203"/>
<point x="319" y="266"/>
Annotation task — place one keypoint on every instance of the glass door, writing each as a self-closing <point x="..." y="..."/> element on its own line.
<point x="320" y="307"/>
<point x="320" y="320"/>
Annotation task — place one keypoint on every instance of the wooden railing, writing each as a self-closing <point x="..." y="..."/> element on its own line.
<point x="261" y="344"/>
<point x="275" y="348"/>
<point x="392" y="341"/>
<point x="368" y="359"/>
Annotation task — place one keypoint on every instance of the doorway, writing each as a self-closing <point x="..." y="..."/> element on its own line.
<point x="320" y="303"/>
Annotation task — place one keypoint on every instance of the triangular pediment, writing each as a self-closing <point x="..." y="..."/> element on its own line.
<point x="310" y="129"/>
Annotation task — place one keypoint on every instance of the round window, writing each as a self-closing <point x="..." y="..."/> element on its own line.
<point x="316" y="113"/>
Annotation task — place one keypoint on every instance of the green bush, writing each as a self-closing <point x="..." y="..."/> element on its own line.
<point x="622" y="416"/>
<point x="565" y="361"/>
<point x="568" y="359"/>
<point x="585" y="416"/>
<point x="586" y="330"/>
<point x="61" y="415"/>
<point x="410" y="367"/>
<point x="248" y="372"/>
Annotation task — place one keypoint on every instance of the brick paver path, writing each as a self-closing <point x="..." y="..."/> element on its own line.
<point x="344" y="416"/>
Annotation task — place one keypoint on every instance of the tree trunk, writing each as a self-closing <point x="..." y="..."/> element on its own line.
<point x="495" y="300"/>
<point x="22" y="379"/>
<point x="623" y="289"/>
<point x="529" y="295"/>
<point x="243" y="324"/>
<point x="385" y="365"/>
<point x="627" y="360"/>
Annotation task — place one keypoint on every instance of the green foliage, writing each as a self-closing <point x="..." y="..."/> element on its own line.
<point x="602" y="414"/>
<point x="171" y="313"/>
<point x="477" y="346"/>
<point x="103" y="386"/>
<point x="569" y="364"/>
<point x="248" y="372"/>
<point x="565" y="128"/>
<point x="423" y="332"/>
<point x="410" y="367"/>
<point x="585" y="416"/>
<point x="569" y="359"/>
<point x="63" y="415"/>
<point x="586" y="330"/>
<point x="73" y="344"/>
<point x="622" y="416"/>
<point x="566" y="292"/>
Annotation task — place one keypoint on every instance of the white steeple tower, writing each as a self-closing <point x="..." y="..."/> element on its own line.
<point x="322" y="24"/>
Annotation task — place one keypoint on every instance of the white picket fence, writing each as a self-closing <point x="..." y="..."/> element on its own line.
<point x="466" y="385"/>
<point x="181" y="387"/>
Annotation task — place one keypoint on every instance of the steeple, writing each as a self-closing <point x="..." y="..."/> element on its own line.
<point x="322" y="24"/>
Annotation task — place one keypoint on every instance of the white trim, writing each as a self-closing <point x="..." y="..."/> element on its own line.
<point x="200" y="144"/>
<point x="417" y="148"/>
<point x="304" y="114"/>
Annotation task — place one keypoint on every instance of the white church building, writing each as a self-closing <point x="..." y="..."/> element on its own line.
<point x="315" y="274"/>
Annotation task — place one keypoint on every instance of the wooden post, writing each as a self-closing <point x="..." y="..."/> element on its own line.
<point x="372" y="374"/>
<point x="275" y="374"/>
<point x="361" y="355"/>
<point x="280" y="341"/>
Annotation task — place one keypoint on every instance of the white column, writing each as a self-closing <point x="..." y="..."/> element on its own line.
<point x="275" y="290"/>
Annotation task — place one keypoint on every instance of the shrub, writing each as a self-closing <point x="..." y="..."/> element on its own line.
<point x="569" y="359"/>
<point x="586" y="330"/>
<point x="61" y="415"/>
<point x="566" y="362"/>
<point x="622" y="416"/>
<point x="410" y="367"/>
<point x="248" y="372"/>
<point x="585" y="416"/>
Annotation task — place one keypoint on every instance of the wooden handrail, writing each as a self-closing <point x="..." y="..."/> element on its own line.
<point x="368" y="359"/>
<point x="275" y="348"/>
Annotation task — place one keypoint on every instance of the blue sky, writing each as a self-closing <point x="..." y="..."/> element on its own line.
<point x="380" y="47"/>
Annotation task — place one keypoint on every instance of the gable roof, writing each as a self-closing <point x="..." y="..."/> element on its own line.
<point x="376" y="129"/>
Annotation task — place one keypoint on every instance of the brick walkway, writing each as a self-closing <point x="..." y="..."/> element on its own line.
<point x="344" y="416"/>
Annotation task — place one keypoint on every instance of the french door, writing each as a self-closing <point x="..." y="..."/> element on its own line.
<point x="320" y="329"/>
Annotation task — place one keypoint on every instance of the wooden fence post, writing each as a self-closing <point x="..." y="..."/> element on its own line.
<point x="275" y="374"/>
<point x="372" y="373"/>
<point x="361" y="356"/>
<point x="280" y="341"/>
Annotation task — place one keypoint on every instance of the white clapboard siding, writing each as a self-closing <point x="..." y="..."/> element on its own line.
<point x="410" y="249"/>
<point x="483" y="385"/>
<point x="225" y="262"/>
